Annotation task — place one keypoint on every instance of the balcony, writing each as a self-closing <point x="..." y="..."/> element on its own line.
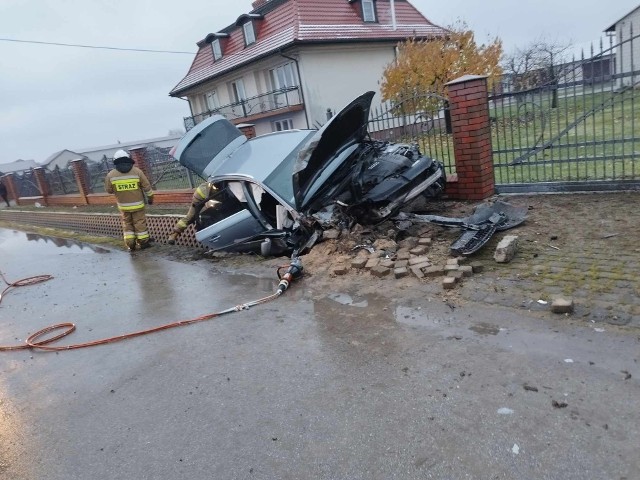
<point x="254" y="108"/>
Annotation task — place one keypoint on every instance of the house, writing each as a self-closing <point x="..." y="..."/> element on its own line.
<point x="290" y="63"/>
<point x="627" y="38"/>
<point x="62" y="158"/>
<point x="17" y="166"/>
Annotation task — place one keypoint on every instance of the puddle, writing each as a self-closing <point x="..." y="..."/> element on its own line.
<point x="483" y="328"/>
<point x="11" y="240"/>
<point x="345" y="299"/>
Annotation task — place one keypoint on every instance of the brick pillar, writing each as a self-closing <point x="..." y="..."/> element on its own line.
<point x="43" y="185"/>
<point x="81" y="173"/>
<point x="139" y="156"/>
<point x="12" y="190"/>
<point x="469" y="107"/>
<point x="247" y="129"/>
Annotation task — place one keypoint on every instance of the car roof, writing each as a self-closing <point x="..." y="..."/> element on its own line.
<point x="259" y="156"/>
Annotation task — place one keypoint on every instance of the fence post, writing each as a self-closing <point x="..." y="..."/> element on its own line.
<point x="469" y="105"/>
<point x="81" y="174"/>
<point x="43" y="185"/>
<point x="139" y="156"/>
<point x="9" y="181"/>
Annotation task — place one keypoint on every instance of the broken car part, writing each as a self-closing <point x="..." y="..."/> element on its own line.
<point x="478" y="227"/>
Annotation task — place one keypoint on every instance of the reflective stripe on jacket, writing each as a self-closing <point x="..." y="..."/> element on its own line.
<point x="128" y="188"/>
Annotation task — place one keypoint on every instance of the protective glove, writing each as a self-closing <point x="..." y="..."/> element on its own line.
<point x="150" y="200"/>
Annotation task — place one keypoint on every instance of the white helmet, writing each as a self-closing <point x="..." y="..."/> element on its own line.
<point x="121" y="154"/>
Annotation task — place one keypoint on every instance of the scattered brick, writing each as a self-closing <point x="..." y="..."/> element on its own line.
<point x="506" y="249"/>
<point x="400" y="272"/>
<point x="417" y="272"/>
<point x="422" y="266"/>
<point x="380" y="271"/>
<point x="426" y="241"/>
<point x="403" y="254"/>
<point x="401" y="263"/>
<point x="340" y="269"/>
<point x="467" y="270"/>
<point x="477" y="267"/>
<point x="457" y="274"/>
<point x="448" y="283"/>
<point x="387" y="263"/>
<point x="450" y="268"/>
<point x="452" y="261"/>
<point x="359" y="262"/>
<point x="562" y="305"/>
<point x="372" y="262"/>
<point x="433" y="271"/>
<point x="419" y="250"/>
<point x="418" y="260"/>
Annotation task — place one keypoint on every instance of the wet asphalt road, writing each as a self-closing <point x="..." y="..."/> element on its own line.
<point x="315" y="385"/>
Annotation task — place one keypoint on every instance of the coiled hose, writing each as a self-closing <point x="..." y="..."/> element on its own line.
<point x="36" y="342"/>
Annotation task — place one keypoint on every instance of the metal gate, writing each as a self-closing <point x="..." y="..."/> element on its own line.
<point x="423" y="119"/>
<point x="571" y="126"/>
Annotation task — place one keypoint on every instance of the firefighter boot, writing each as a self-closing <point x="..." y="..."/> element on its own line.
<point x="172" y="238"/>
<point x="131" y="246"/>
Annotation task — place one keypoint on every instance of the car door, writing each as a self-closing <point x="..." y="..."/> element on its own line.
<point x="231" y="222"/>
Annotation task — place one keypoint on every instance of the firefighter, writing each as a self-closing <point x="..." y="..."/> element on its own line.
<point x="128" y="183"/>
<point x="201" y="196"/>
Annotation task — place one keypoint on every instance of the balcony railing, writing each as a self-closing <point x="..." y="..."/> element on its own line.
<point x="258" y="105"/>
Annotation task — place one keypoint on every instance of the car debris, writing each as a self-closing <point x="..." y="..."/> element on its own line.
<point x="478" y="228"/>
<point x="278" y="192"/>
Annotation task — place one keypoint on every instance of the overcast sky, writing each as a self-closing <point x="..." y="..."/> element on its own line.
<point x="54" y="97"/>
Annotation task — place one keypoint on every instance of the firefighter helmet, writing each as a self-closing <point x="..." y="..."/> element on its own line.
<point x="122" y="156"/>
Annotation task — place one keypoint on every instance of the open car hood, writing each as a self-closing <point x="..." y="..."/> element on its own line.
<point x="208" y="145"/>
<point x="347" y="127"/>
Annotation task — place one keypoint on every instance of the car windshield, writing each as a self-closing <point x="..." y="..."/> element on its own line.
<point x="280" y="180"/>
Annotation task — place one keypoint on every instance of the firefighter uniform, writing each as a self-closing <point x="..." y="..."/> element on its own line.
<point x="128" y="184"/>
<point x="201" y="195"/>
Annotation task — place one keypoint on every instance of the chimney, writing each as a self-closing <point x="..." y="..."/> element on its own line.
<point x="258" y="3"/>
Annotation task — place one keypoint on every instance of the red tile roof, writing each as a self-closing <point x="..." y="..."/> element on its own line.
<point x="289" y="22"/>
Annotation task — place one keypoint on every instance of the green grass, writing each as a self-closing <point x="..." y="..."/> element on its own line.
<point x="615" y="117"/>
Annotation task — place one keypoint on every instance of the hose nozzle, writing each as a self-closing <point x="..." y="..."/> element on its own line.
<point x="293" y="273"/>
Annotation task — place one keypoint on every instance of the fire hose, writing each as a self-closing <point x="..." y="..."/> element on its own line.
<point x="36" y="341"/>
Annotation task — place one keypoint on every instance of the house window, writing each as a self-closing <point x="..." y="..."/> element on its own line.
<point x="368" y="11"/>
<point x="280" y="125"/>
<point x="217" y="49"/>
<point x="249" y="33"/>
<point x="237" y="91"/>
<point x="211" y="100"/>
<point x="283" y="76"/>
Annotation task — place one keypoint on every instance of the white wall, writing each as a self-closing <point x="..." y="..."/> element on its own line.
<point x="330" y="76"/>
<point x="624" y="57"/>
<point x="334" y="76"/>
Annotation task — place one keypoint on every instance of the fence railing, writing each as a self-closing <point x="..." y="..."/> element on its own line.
<point x="264" y="103"/>
<point x="423" y="119"/>
<point x="578" y="123"/>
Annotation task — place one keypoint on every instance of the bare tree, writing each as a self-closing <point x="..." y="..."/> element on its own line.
<point x="538" y="64"/>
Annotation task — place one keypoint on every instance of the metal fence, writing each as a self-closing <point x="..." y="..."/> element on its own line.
<point x="61" y="181"/>
<point x="167" y="173"/>
<point x="27" y="184"/>
<point x="576" y="127"/>
<point x="423" y="119"/>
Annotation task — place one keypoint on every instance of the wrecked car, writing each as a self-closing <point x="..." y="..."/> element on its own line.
<point x="278" y="192"/>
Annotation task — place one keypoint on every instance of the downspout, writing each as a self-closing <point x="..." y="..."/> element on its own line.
<point x="393" y="14"/>
<point x="306" y="114"/>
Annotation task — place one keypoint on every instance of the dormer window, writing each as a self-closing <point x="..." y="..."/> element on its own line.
<point x="248" y="23"/>
<point x="249" y="33"/>
<point x="368" y="11"/>
<point x="217" y="49"/>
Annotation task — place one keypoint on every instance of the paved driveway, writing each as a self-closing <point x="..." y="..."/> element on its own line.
<point x="322" y="383"/>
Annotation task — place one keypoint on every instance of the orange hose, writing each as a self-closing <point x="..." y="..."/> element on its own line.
<point x="33" y="342"/>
